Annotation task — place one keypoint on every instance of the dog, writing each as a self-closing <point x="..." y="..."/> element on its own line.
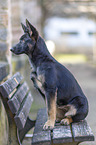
<point x="64" y="97"/>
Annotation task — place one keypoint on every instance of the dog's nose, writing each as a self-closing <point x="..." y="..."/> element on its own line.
<point x="12" y="49"/>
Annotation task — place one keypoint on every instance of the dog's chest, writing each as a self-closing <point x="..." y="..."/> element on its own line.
<point x="40" y="79"/>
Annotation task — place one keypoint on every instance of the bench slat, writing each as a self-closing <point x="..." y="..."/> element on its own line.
<point x="16" y="100"/>
<point x="82" y="131"/>
<point x="7" y="87"/>
<point x="22" y="114"/>
<point x="41" y="137"/>
<point x="62" y="134"/>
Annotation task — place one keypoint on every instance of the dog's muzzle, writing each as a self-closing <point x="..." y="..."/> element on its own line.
<point x="12" y="49"/>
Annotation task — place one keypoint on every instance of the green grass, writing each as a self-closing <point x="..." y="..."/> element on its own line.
<point x="70" y="58"/>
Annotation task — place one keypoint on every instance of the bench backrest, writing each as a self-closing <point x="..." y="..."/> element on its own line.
<point x="19" y="98"/>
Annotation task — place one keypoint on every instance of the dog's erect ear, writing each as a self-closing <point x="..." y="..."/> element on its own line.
<point x="25" y="29"/>
<point x="32" y="30"/>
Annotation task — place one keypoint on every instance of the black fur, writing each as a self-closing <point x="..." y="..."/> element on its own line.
<point x="51" y="74"/>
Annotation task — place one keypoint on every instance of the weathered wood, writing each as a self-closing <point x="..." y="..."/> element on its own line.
<point x="65" y="135"/>
<point x="12" y="129"/>
<point x="7" y="87"/>
<point x="82" y="131"/>
<point x="21" y="116"/>
<point x="41" y="137"/>
<point x="62" y="134"/>
<point x="15" y="102"/>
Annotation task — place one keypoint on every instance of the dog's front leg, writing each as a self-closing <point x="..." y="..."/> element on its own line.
<point x="33" y="78"/>
<point x="51" y="98"/>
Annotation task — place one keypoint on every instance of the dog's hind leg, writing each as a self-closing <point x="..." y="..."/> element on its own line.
<point x="67" y="112"/>
<point x="77" y="112"/>
<point x="66" y="121"/>
<point x="72" y="110"/>
<point x="60" y="112"/>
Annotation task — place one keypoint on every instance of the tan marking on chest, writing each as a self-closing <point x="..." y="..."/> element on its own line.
<point x="40" y="81"/>
<point x="41" y="78"/>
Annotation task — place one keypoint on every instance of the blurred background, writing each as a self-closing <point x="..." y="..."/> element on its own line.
<point x="69" y="29"/>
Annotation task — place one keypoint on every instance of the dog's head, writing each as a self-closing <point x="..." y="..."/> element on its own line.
<point x="27" y="41"/>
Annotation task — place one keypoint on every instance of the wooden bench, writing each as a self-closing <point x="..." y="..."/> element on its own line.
<point x="17" y="100"/>
<point x="61" y="135"/>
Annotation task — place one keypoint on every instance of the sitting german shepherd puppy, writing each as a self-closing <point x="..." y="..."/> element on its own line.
<point x="64" y="98"/>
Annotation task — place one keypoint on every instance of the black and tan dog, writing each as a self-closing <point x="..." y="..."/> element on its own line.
<point x="64" y="98"/>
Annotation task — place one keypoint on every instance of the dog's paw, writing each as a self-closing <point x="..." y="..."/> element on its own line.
<point x="48" y="125"/>
<point x="66" y="121"/>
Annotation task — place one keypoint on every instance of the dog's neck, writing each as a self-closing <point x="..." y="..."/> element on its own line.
<point x="40" y="54"/>
<point x="32" y="65"/>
